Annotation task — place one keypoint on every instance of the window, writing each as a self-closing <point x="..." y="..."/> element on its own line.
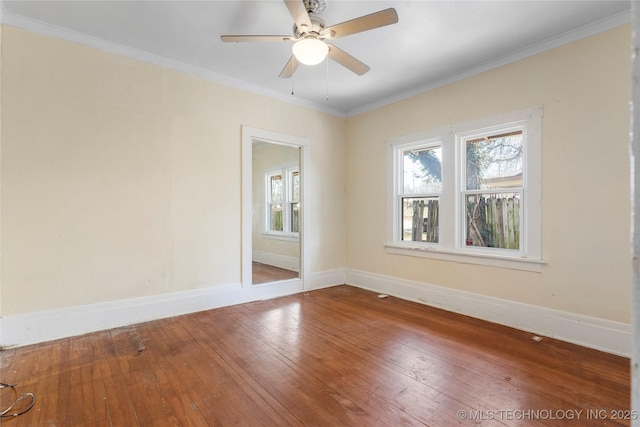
<point x="419" y="193"/>
<point x="493" y="189"/>
<point x="469" y="193"/>
<point x="294" y="197"/>
<point x="282" y="202"/>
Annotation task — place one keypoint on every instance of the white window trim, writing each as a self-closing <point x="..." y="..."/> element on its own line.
<point x="398" y="193"/>
<point x="450" y="247"/>
<point x="460" y="145"/>
<point x="278" y="235"/>
<point x="286" y="235"/>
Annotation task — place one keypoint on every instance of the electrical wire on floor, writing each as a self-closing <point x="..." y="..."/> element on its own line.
<point x="20" y="405"/>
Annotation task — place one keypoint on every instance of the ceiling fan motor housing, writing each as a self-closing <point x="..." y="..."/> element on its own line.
<point x="317" y="28"/>
<point x="311" y="35"/>
<point x="315" y="6"/>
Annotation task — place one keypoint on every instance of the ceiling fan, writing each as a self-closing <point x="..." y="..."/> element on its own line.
<point x="310" y="35"/>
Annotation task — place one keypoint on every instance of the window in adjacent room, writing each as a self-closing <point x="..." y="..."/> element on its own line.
<point x="282" y="202"/>
<point x="294" y="200"/>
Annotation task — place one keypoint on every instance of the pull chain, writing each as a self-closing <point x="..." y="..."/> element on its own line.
<point x="292" y="77"/>
<point x="327" y="61"/>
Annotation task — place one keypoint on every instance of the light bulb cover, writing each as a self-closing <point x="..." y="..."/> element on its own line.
<point x="310" y="51"/>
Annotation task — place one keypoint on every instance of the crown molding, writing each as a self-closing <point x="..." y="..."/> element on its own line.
<point x="43" y="28"/>
<point x="46" y="29"/>
<point x="548" y="44"/>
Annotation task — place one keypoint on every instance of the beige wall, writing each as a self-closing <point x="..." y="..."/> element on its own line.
<point x="122" y="179"/>
<point x="584" y="88"/>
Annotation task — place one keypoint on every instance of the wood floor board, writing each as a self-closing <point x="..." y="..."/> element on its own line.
<point x="295" y="383"/>
<point x="333" y="357"/>
<point x="295" y="379"/>
<point x="529" y="378"/>
<point x="266" y="368"/>
<point x="259" y="406"/>
<point x="264" y="273"/>
<point x="353" y="370"/>
<point x="548" y="355"/>
<point x="476" y="376"/>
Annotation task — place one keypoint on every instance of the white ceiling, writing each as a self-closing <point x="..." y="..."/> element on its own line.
<point x="433" y="43"/>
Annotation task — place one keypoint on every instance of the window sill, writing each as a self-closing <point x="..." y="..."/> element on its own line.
<point x="513" y="263"/>
<point x="281" y="236"/>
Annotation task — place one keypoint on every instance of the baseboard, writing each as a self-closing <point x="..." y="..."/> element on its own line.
<point x="325" y="279"/>
<point x="281" y="261"/>
<point x="600" y="334"/>
<point x="33" y="328"/>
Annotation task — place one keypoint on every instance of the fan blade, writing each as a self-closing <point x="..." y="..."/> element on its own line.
<point x="363" y="23"/>
<point x="290" y="68"/>
<point x="299" y="13"/>
<point x="244" y="38"/>
<point x="346" y="60"/>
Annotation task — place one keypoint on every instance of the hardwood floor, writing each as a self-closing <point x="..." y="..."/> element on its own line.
<point x="332" y="357"/>
<point x="264" y="273"/>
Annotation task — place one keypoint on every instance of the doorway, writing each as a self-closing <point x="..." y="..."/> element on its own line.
<point x="275" y="236"/>
<point x="273" y="211"/>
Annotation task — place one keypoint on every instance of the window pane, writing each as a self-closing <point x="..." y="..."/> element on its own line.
<point x="420" y="219"/>
<point x="276" y="189"/>
<point x="495" y="161"/>
<point x="275" y="217"/>
<point x="422" y="170"/>
<point x="295" y="217"/>
<point x="295" y="186"/>
<point x="493" y="220"/>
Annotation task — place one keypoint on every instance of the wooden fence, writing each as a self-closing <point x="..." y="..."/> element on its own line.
<point x="492" y="222"/>
<point x="424" y="228"/>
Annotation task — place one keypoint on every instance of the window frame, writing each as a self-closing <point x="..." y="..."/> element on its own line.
<point x="291" y="172"/>
<point x="461" y="141"/>
<point x="452" y="218"/>
<point x="400" y="194"/>
<point x="286" y="203"/>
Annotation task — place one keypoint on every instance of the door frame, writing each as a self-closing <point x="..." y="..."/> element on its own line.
<point x="274" y="289"/>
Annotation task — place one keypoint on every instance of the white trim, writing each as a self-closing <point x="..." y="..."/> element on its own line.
<point x="285" y="237"/>
<point x="249" y="135"/>
<point x="600" y="334"/>
<point x="452" y="220"/>
<point x="40" y="27"/>
<point x="271" y="290"/>
<point x="286" y="176"/>
<point x="50" y="30"/>
<point x="513" y="263"/>
<point x="33" y="328"/>
<point x="325" y="279"/>
<point x="282" y="261"/>
<point x="462" y="192"/>
<point x="551" y="43"/>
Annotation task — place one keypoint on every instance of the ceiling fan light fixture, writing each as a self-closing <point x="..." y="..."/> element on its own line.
<point x="310" y="51"/>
